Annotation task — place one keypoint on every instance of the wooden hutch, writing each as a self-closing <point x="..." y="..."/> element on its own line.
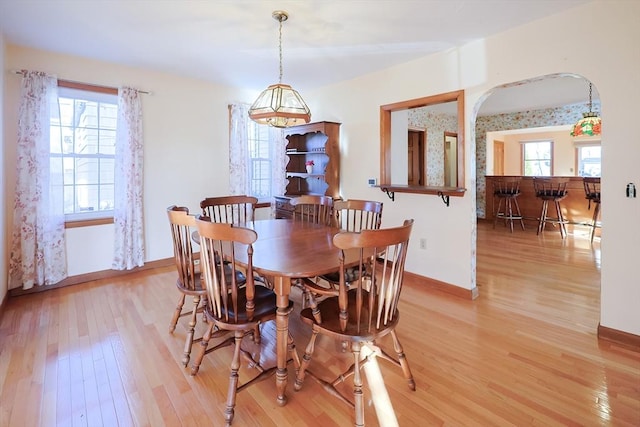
<point x="319" y="143"/>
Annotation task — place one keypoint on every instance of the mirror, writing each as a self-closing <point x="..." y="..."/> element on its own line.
<point x="421" y="145"/>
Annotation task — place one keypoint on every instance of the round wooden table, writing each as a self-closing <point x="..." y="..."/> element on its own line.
<point x="288" y="249"/>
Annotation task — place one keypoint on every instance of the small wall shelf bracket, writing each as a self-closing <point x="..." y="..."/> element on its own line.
<point x="390" y="194"/>
<point x="444" y="197"/>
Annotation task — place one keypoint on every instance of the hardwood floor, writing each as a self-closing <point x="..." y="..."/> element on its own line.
<point x="524" y="353"/>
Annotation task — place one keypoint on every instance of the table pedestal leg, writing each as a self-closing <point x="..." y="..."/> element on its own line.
<point x="282" y="287"/>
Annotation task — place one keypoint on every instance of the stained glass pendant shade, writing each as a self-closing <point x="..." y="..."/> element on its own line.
<point x="590" y="124"/>
<point x="280" y="105"/>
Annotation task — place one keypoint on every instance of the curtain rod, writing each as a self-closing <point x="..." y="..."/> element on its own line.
<point x="22" y="72"/>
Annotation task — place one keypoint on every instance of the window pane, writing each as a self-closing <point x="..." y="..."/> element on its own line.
<point x="589" y="161"/>
<point x="106" y="197"/>
<point x="107" y="144"/>
<point x="86" y="135"/>
<point x="261" y="178"/>
<point x="86" y="141"/>
<point x="106" y="171"/>
<point x="86" y="114"/>
<point x="86" y="198"/>
<point x="87" y="171"/>
<point x="108" y="116"/>
<point x="259" y="152"/>
<point x="537" y="158"/>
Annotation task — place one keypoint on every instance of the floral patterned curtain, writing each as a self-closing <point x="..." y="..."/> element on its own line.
<point x="238" y="149"/>
<point x="128" y="184"/>
<point x="38" y="253"/>
<point x="239" y="154"/>
<point x="279" y="162"/>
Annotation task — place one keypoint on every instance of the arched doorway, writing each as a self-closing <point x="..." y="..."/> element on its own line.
<point x="551" y="288"/>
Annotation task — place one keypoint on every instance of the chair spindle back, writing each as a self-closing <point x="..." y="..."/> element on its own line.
<point x="371" y="301"/>
<point x="357" y="215"/>
<point x="182" y="226"/>
<point x="313" y="209"/>
<point x="221" y="278"/>
<point x="229" y="209"/>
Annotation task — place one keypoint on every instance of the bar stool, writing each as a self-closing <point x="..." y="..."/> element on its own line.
<point x="507" y="189"/>
<point x="592" y="194"/>
<point x="551" y="190"/>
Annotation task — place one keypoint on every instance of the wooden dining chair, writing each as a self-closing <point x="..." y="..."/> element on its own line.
<point x="316" y="210"/>
<point x="189" y="281"/>
<point x="230" y="306"/>
<point x="313" y="209"/>
<point x="349" y="215"/>
<point x="230" y="209"/>
<point x="365" y="311"/>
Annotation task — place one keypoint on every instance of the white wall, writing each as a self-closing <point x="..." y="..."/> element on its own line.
<point x="544" y="47"/>
<point x="186" y="135"/>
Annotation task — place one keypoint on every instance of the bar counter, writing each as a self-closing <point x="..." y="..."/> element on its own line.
<point x="575" y="207"/>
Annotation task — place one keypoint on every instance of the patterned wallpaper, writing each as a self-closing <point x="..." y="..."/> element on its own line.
<point x="436" y="125"/>
<point x="566" y="115"/>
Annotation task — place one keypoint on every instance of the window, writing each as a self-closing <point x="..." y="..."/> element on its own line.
<point x="260" y="161"/>
<point x="84" y="136"/>
<point x="537" y="158"/>
<point x="589" y="160"/>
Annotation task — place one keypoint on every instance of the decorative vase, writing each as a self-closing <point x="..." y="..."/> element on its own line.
<point x="309" y="168"/>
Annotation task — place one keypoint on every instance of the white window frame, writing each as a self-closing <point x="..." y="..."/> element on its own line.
<point x="257" y="135"/>
<point x="524" y="160"/>
<point x="580" y="145"/>
<point x="94" y="96"/>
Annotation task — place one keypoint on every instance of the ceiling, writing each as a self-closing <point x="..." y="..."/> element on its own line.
<point x="235" y="42"/>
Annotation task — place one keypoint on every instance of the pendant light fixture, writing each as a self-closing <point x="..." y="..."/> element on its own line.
<point x="280" y="105"/>
<point x="590" y="124"/>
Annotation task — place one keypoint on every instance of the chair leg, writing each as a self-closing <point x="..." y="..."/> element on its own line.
<point x="291" y="346"/>
<point x="358" y="396"/>
<point x="233" y="380"/>
<point x="306" y="359"/>
<point x="404" y="363"/>
<point x="176" y="313"/>
<point x="204" y="343"/>
<point x="192" y="329"/>
<point x="313" y="305"/>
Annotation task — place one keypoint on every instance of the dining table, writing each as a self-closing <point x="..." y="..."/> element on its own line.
<point x="286" y="250"/>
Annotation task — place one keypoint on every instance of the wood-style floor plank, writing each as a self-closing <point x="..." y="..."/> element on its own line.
<point x="525" y="353"/>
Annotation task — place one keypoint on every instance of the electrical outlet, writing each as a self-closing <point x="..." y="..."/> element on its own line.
<point x="423" y="243"/>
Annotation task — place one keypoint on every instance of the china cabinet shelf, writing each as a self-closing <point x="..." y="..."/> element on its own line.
<point x="319" y="143"/>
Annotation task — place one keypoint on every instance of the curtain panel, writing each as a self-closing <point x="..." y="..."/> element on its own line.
<point x="128" y="183"/>
<point x="240" y="158"/>
<point x="38" y="253"/>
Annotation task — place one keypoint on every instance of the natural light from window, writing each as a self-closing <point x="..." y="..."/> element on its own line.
<point x="85" y="137"/>
<point x="260" y="162"/>
<point x="536" y="159"/>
